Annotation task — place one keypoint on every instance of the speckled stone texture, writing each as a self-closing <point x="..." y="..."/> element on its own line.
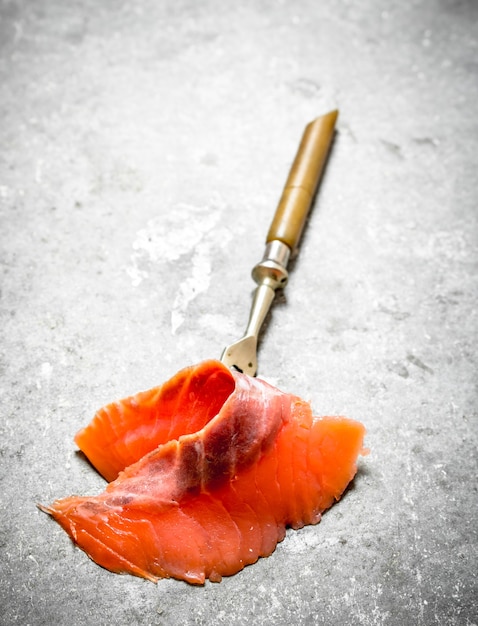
<point x="144" y="145"/>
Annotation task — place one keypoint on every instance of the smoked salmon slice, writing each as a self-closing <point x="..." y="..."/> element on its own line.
<point x="122" y="432"/>
<point x="215" y="489"/>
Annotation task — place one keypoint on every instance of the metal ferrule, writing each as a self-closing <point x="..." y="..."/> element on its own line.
<point x="277" y="251"/>
<point x="271" y="271"/>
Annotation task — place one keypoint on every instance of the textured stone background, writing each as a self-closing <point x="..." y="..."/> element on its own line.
<point x="144" y="145"/>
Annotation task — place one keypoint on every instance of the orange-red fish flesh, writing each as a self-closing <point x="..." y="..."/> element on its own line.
<point x="208" y="470"/>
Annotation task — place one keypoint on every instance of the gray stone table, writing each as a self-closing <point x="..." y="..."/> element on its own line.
<point x="144" y="145"/>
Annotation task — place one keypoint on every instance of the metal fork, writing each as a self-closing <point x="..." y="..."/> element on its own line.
<point x="283" y="236"/>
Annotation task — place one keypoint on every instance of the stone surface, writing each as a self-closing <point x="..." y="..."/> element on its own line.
<point x="144" y="148"/>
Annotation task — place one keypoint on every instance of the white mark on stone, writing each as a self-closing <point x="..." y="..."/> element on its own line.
<point x="300" y="542"/>
<point x="136" y="274"/>
<point x="184" y="231"/>
<point x="198" y="282"/>
<point x="219" y="323"/>
<point x="46" y="370"/>
<point x="167" y="237"/>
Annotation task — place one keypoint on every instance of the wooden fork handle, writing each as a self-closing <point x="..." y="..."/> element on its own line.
<point x="302" y="182"/>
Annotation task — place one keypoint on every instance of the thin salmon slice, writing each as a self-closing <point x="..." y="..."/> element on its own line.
<point x="221" y="491"/>
<point x="122" y="432"/>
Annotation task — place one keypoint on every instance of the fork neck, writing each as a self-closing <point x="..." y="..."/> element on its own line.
<point x="272" y="269"/>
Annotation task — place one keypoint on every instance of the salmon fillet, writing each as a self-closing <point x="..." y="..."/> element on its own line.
<point x="122" y="432"/>
<point x="204" y="499"/>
